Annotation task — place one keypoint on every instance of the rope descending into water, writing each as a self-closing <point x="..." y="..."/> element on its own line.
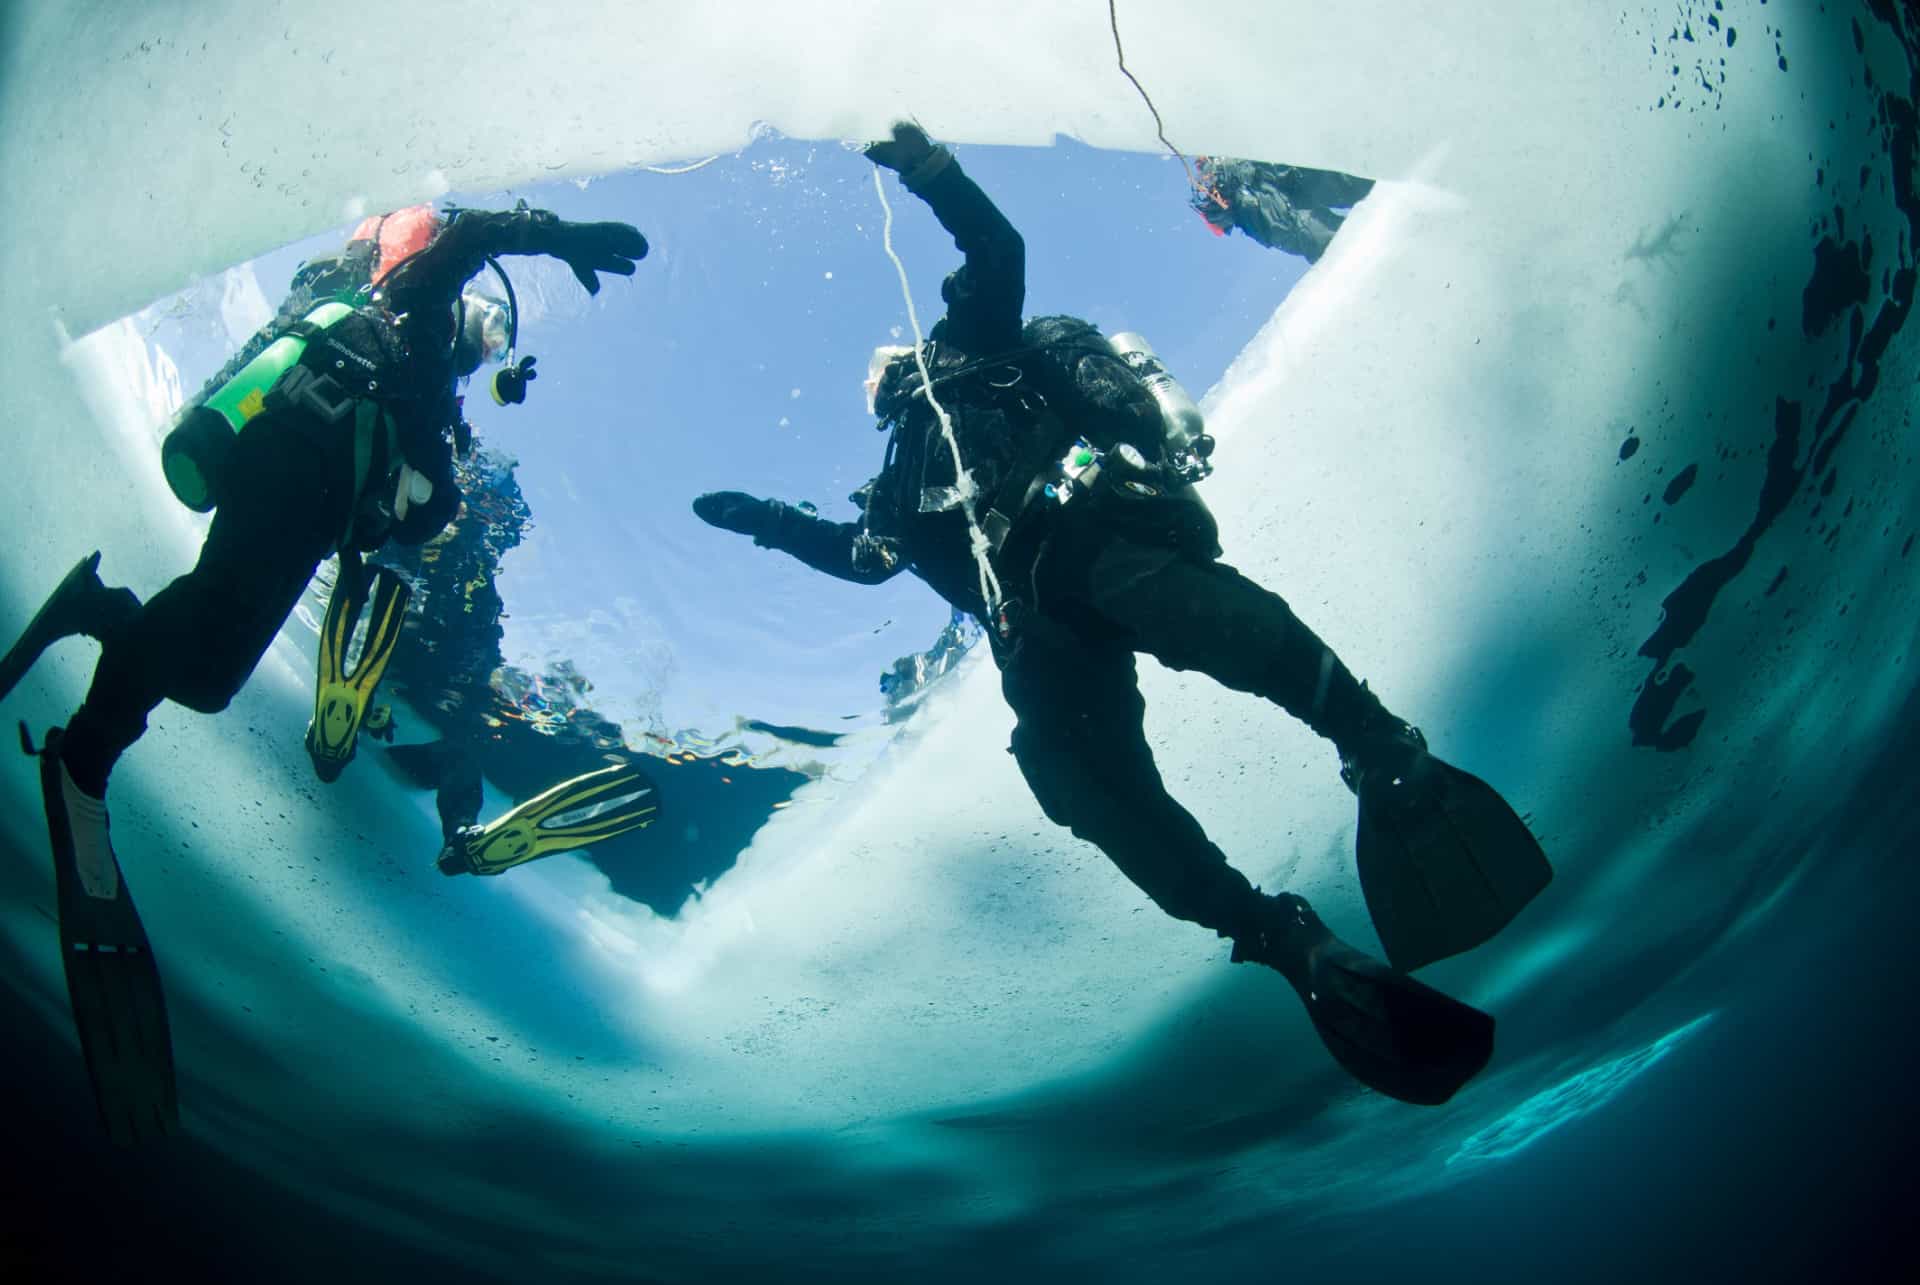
<point x="963" y="479"/>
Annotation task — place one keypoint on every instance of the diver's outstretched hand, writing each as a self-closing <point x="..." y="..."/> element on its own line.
<point x="590" y="248"/>
<point x="911" y="154"/>
<point x="735" y="511"/>
<point x="909" y="147"/>
<point x="510" y="382"/>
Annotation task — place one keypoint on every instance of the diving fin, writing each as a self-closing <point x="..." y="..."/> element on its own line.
<point x="80" y="605"/>
<point x="1390" y="1032"/>
<point x="573" y="814"/>
<point x="342" y="694"/>
<point x="119" y="1006"/>
<point x="1444" y="862"/>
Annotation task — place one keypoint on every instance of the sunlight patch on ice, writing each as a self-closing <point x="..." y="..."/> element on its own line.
<point x="1567" y="1101"/>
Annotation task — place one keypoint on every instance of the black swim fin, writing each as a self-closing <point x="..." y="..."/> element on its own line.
<point x="79" y="605"/>
<point x="1444" y="862"/>
<point x="1390" y="1032"/>
<point x="119" y="1007"/>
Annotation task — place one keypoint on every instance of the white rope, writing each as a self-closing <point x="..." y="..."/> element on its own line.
<point x="963" y="479"/>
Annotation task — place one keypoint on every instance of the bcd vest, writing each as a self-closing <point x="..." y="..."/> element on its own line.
<point x="328" y="368"/>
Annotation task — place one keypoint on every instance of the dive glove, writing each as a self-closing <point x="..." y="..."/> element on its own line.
<point x="589" y="248"/>
<point x="737" y="511"/>
<point x="910" y="154"/>
<point x="509" y="384"/>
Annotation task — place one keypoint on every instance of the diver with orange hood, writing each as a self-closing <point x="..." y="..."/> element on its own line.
<point x="332" y="431"/>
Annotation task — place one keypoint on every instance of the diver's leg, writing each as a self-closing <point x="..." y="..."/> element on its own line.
<point x="1080" y="745"/>
<point x="1445" y="862"/>
<point x="1206" y="616"/>
<point x="197" y="641"/>
<point x="459" y="795"/>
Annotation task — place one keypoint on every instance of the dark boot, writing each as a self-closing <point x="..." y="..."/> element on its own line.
<point x="1390" y="1032"/>
<point x="1380" y="748"/>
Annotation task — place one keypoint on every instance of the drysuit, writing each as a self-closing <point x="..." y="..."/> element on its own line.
<point x="1082" y="586"/>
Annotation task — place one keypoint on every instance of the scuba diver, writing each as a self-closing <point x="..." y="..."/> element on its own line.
<point x="1040" y="478"/>
<point x="328" y="433"/>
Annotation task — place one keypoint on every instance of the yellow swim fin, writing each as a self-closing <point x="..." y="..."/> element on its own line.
<point x="343" y="695"/>
<point x="573" y="814"/>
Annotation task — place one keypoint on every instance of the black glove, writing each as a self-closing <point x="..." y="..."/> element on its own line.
<point x="588" y="248"/>
<point x="737" y="511"/>
<point x="908" y="148"/>
<point x="917" y="160"/>
<point x="510" y="382"/>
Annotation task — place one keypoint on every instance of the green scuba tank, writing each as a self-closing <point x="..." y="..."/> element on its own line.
<point x="203" y="432"/>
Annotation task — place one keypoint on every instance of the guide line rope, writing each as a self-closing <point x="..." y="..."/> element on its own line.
<point x="963" y="478"/>
<point x="1113" y="20"/>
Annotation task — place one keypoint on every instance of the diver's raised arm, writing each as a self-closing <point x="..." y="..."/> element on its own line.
<point x="985" y="296"/>
<point x="435" y="275"/>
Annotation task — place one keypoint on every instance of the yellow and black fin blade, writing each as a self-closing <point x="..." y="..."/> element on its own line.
<point x="344" y="686"/>
<point x="573" y="814"/>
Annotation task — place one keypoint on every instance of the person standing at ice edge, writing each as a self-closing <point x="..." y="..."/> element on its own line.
<point x="344" y="449"/>
<point x="1069" y="525"/>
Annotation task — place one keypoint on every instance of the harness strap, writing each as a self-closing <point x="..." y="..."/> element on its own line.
<point x="1011" y="357"/>
<point x="1027" y="476"/>
<point x="368" y="419"/>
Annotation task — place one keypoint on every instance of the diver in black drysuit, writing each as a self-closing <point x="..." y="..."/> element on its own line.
<point x="288" y="496"/>
<point x="1085" y="585"/>
<point x="1093" y="588"/>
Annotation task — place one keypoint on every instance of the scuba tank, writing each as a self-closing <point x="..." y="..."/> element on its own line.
<point x="1189" y="447"/>
<point x="203" y="432"/>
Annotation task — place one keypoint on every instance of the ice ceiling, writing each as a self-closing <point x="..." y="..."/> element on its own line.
<point x="1606" y="487"/>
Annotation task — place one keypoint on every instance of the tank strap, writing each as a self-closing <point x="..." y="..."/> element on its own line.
<point x="369" y="418"/>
